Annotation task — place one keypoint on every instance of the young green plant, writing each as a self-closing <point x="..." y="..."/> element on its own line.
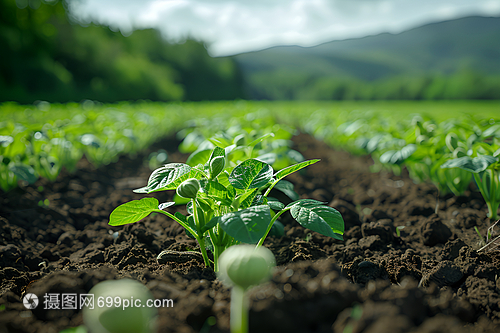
<point x="228" y="205"/>
<point x="486" y="172"/>
<point x="241" y="267"/>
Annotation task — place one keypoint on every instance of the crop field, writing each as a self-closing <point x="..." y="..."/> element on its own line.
<point x="380" y="216"/>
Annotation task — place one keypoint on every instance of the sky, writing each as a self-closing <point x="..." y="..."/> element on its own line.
<point x="232" y="27"/>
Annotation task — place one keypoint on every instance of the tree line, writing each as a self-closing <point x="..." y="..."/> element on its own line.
<point x="46" y="56"/>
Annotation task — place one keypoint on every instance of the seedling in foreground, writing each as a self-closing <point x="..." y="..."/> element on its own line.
<point x="242" y="267"/>
<point x="228" y="205"/>
<point x="121" y="307"/>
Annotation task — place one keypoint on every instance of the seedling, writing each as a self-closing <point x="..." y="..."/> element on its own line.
<point x="242" y="267"/>
<point x="228" y="205"/>
<point x="121" y="307"/>
<point x="486" y="172"/>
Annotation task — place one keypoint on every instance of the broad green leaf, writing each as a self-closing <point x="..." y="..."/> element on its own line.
<point x="223" y="179"/>
<point x="216" y="190"/>
<point x="287" y="188"/>
<point x="314" y="215"/>
<point x="475" y="165"/>
<point x="251" y="174"/>
<point x="24" y="172"/>
<point x="275" y="205"/>
<point x="259" y="200"/>
<point x="133" y="211"/>
<point x="293" y="168"/>
<point x="164" y="175"/>
<point x="199" y="157"/>
<point x="247" y="225"/>
<point x="246" y="199"/>
<point x="170" y="177"/>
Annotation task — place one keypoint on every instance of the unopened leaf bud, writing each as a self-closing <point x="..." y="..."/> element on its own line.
<point x="189" y="188"/>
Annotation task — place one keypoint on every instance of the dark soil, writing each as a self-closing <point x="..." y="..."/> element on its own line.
<point x="430" y="279"/>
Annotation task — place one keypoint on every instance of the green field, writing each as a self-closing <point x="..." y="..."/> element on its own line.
<point x="39" y="140"/>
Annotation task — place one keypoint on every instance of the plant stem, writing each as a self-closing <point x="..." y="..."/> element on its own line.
<point x="201" y="239"/>
<point x="261" y="241"/>
<point x="239" y="310"/>
<point x="215" y="244"/>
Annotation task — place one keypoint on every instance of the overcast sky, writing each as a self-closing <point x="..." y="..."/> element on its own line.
<point x="231" y="27"/>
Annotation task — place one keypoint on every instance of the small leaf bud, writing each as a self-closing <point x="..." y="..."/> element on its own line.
<point x="188" y="188"/>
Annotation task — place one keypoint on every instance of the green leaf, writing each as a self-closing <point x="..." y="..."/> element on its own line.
<point x="163" y="175"/>
<point x="212" y="223"/>
<point x="181" y="217"/>
<point x="217" y="151"/>
<point x="246" y="199"/>
<point x="24" y="172"/>
<point x="169" y="177"/>
<point x="398" y="156"/>
<point x="314" y="215"/>
<point x="215" y="190"/>
<point x="190" y="222"/>
<point x="247" y="225"/>
<point x="260" y="139"/>
<point x="199" y="157"/>
<point x="221" y="140"/>
<point x="251" y="174"/>
<point x="164" y="205"/>
<point x="204" y="204"/>
<point x="292" y="168"/>
<point x="275" y="205"/>
<point x="133" y="211"/>
<point x="287" y="188"/>
<point x="6" y="140"/>
<point x="277" y="229"/>
<point x="475" y="165"/>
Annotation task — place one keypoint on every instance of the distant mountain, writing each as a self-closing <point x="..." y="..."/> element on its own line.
<point x="469" y="44"/>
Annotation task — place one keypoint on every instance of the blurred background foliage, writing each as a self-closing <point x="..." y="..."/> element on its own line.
<point x="47" y="56"/>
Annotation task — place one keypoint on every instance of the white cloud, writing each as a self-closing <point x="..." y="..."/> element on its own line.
<point x="230" y="27"/>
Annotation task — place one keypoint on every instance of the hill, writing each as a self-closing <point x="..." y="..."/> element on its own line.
<point x="467" y="50"/>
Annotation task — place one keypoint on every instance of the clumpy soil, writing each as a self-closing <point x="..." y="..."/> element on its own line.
<point x="428" y="277"/>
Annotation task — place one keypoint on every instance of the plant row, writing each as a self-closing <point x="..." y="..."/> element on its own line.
<point x="450" y="154"/>
<point x="38" y="141"/>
